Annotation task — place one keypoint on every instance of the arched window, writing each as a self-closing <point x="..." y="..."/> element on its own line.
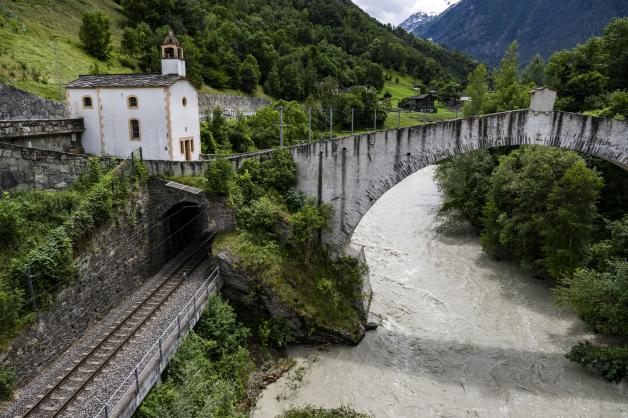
<point x="185" y="101"/>
<point x="87" y="102"/>
<point x="133" y="103"/>
<point x="134" y="129"/>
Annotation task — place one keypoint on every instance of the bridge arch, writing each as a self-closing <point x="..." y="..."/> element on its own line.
<point x="352" y="173"/>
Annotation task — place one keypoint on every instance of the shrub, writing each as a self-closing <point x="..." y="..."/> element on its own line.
<point x="9" y="222"/>
<point x="7" y="378"/>
<point x="95" y="34"/>
<point x="11" y="301"/>
<point x="219" y="326"/>
<point x="219" y="174"/>
<point x="279" y="171"/>
<point x="276" y="333"/>
<point x="610" y="362"/>
<point x="260" y="218"/>
<point x="312" y="412"/>
<point x="306" y="225"/>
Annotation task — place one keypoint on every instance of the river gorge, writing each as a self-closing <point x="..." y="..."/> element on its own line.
<point x="461" y="334"/>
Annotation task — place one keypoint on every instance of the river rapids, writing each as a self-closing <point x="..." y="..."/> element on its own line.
<point x="461" y="334"/>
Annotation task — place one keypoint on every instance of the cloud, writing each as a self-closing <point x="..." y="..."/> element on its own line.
<point x="396" y="11"/>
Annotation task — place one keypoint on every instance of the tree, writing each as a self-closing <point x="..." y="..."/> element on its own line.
<point x="306" y="224"/>
<point x="249" y="74"/>
<point x="541" y="206"/>
<point x="219" y="174"/>
<point x="510" y="93"/>
<point x="95" y="34"/>
<point x="534" y="73"/>
<point x="476" y="90"/>
<point x="615" y="42"/>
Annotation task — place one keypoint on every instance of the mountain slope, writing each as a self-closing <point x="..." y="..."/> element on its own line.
<point x="485" y="28"/>
<point x="417" y="22"/>
<point x="28" y="47"/>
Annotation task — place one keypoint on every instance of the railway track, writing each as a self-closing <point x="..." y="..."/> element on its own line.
<point x="58" y="399"/>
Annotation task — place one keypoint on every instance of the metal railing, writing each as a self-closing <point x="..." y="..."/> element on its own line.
<point x="130" y="394"/>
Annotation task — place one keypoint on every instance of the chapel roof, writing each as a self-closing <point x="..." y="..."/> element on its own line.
<point x="124" y="80"/>
<point x="170" y="39"/>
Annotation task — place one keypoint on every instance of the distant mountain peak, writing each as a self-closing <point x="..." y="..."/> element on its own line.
<point x="416" y="21"/>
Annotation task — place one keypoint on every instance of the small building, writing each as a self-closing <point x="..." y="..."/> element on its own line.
<point x="421" y="103"/>
<point x="157" y="112"/>
<point x="542" y="99"/>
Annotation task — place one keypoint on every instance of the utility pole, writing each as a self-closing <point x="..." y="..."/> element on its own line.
<point x="56" y="38"/>
<point x="352" y="119"/>
<point x="331" y="123"/>
<point x="375" y="121"/>
<point x="281" y="109"/>
<point x="309" y="125"/>
<point x="31" y="291"/>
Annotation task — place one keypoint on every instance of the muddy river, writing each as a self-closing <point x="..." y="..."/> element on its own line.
<point x="461" y="335"/>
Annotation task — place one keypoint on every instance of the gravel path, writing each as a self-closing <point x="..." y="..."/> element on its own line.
<point x="104" y="385"/>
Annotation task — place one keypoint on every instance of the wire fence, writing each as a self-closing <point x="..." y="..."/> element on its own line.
<point x="132" y="391"/>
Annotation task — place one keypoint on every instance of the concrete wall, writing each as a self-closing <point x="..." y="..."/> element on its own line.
<point x="23" y="168"/>
<point x="18" y="104"/>
<point x="48" y="134"/>
<point x="351" y="173"/>
<point x="232" y="104"/>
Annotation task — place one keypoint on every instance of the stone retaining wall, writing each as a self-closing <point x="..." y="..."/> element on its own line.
<point x="231" y="105"/>
<point x="19" y="104"/>
<point x="110" y="267"/>
<point x="23" y="168"/>
<point x="49" y="134"/>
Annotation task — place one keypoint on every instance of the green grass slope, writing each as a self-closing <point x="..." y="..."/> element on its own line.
<point x="28" y="44"/>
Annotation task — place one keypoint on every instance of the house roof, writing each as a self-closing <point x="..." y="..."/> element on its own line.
<point x="421" y="96"/>
<point x="124" y="80"/>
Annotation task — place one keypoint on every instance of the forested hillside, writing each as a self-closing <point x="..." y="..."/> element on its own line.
<point x="294" y="48"/>
<point x="485" y="28"/>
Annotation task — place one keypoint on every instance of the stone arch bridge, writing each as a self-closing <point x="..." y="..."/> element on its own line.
<point x="351" y="173"/>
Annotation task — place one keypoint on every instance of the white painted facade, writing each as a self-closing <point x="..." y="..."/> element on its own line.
<point x="162" y="118"/>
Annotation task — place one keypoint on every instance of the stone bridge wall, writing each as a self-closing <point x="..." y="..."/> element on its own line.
<point x="18" y="104"/>
<point x="242" y="104"/>
<point x="351" y="173"/>
<point x="49" y="134"/>
<point x="23" y="168"/>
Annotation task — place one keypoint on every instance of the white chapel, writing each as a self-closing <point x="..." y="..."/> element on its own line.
<point x="122" y="112"/>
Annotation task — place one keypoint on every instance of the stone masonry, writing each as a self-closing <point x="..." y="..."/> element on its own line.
<point x="351" y="173"/>
<point x="23" y="168"/>
<point x="18" y="104"/>
<point x="232" y="105"/>
<point x="48" y="134"/>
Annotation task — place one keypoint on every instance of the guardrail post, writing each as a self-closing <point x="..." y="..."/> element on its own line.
<point x="137" y="383"/>
<point x="179" y="324"/>
<point x="161" y="356"/>
<point x="106" y="411"/>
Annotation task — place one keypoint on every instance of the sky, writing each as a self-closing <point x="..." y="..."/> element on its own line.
<point x="396" y="11"/>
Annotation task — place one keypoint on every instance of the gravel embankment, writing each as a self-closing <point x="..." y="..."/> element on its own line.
<point x="105" y="385"/>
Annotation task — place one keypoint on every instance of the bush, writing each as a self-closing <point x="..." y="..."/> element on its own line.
<point x="219" y="174"/>
<point x="312" y="412"/>
<point x="279" y="171"/>
<point x="306" y="225"/>
<point x="260" y="218"/>
<point x="95" y="34"/>
<point x="9" y="222"/>
<point x="220" y="328"/>
<point x="610" y="362"/>
<point x="7" y="378"/>
<point x="276" y="333"/>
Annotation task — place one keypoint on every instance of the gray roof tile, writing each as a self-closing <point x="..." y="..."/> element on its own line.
<point x="124" y="80"/>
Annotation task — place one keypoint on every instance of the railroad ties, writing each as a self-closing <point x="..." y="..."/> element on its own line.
<point x="74" y="384"/>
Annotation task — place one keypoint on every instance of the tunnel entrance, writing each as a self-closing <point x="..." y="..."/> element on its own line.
<point x="179" y="227"/>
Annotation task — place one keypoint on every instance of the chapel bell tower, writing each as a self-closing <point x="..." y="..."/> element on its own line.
<point x="172" y="56"/>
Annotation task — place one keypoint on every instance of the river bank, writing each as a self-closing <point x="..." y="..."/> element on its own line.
<point x="461" y="334"/>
